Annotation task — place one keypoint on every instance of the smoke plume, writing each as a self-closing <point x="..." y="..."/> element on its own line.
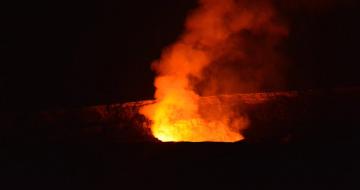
<point x="228" y="46"/>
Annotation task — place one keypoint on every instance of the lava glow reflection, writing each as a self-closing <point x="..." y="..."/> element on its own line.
<point x="179" y="120"/>
<point x="195" y="130"/>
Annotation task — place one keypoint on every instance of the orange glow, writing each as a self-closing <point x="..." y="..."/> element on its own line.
<point x="177" y="114"/>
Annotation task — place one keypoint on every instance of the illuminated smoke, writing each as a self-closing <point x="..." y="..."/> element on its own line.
<point x="228" y="46"/>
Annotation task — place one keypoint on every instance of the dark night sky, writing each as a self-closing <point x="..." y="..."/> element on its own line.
<point x="75" y="53"/>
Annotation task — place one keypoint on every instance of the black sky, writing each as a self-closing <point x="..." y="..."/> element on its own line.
<point x="75" y="53"/>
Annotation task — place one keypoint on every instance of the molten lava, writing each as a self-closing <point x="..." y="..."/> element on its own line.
<point x="214" y="32"/>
